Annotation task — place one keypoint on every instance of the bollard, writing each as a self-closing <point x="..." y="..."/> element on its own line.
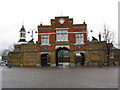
<point x="10" y="65"/>
<point x="100" y="64"/>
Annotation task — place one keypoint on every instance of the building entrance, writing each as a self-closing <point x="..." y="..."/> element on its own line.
<point x="79" y="59"/>
<point x="45" y="60"/>
<point x="62" y="57"/>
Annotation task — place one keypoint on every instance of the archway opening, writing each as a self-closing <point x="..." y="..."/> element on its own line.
<point x="62" y="56"/>
<point x="45" y="60"/>
<point x="79" y="59"/>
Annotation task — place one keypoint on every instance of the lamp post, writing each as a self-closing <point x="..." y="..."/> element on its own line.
<point x="88" y="32"/>
<point x="32" y="31"/>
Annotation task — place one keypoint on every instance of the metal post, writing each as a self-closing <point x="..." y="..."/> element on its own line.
<point x="32" y="30"/>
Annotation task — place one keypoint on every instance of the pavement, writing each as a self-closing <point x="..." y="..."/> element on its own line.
<point x="59" y="77"/>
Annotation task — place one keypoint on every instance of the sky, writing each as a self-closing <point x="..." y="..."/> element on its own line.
<point x="14" y="13"/>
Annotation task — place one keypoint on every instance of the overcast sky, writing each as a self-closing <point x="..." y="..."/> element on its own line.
<point x="13" y="13"/>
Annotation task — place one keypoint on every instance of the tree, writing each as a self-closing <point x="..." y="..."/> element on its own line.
<point x="4" y="55"/>
<point x="5" y="52"/>
<point x="11" y="47"/>
<point x="108" y="36"/>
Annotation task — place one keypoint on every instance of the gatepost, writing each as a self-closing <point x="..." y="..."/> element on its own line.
<point x="72" y="58"/>
<point x="52" y="59"/>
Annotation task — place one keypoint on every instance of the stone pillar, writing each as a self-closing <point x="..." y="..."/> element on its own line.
<point x="38" y="62"/>
<point x="52" y="59"/>
<point x="22" y="58"/>
<point x="72" y="58"/>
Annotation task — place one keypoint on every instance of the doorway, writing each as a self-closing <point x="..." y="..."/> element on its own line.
<point x="45" y="60"/>
<point x="79" y="59"/>
<point x="62" y="57"/>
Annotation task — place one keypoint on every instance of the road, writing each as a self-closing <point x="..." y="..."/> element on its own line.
<point x="60" y="77"/>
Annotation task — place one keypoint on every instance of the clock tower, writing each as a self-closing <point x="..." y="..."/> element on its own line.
<point x="22" y="35"/>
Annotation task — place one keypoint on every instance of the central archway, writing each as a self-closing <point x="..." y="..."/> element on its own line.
<point x="79" y="59"/>
<point x="62" y="56"/>
<point x="45" y="60"/>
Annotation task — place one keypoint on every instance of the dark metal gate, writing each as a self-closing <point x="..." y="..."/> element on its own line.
<point x="62" y="57"/>
<point x="80" y="59"/>
<point x="45" y="60"/>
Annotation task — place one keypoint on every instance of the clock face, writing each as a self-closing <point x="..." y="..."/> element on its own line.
<point x="61" y="20"/>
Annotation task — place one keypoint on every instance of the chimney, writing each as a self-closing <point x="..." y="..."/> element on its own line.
<point x="40" y="23"/>
<point x="84" y="22"/>
<point x="99" y="37"/>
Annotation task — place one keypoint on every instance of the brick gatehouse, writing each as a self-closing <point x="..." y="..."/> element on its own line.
<point x="61" y="43"/>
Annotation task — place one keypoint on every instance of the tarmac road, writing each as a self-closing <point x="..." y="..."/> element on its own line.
<point x="60" y="77"/>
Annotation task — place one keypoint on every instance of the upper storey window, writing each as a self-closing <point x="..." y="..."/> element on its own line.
<point x="79" y="38"/>
<point x="45" y="39"/>
<point x="62" y="35"/>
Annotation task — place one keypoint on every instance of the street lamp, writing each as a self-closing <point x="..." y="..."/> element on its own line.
<point x="31" y="31"/>
<point x="88" y="34"/>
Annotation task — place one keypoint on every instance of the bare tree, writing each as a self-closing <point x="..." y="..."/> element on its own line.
<point x="11" y="47"/>
<point x="5" y="52"/>
<point x="4" y="55"/>
<point x="109" y="37"/>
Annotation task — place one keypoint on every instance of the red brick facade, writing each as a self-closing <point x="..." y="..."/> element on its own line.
<point x="72" y="30"/>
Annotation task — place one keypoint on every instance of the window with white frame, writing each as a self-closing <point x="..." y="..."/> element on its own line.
<point x="79" y="38"/>
<point x="62" y="35"/>
<point x="45" y="39"/>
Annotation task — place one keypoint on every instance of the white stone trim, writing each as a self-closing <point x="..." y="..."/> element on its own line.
<point x="53" y="65"/>
<point x="67" y="46"/>
<point x="79" y="52"/>
<point x="56" y="33"/>
<point x="22" y="43"/>
<point x="45" y="53"/>
<point x="72" y="64"/>
<point x="60" y="28"/>
<point x="78" y="32"/>
<point x="21" y="64"/>
<point x="37" y="65"/>
<point x="22" y="37"/>
<point x="80" y="44"/>
<point x="46" y="33"/>
<point x="45" y="45"/>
